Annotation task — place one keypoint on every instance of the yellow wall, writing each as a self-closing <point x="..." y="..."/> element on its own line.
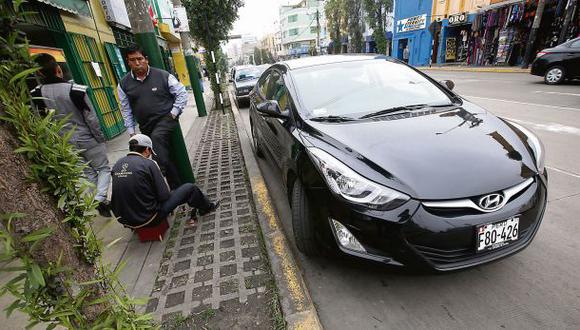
<point x="443" y="8"/>
<point x="86" y="25"/>
<point x="180" y="66"/>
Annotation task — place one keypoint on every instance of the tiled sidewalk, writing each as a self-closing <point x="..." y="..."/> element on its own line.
<point x="217" y="268"/>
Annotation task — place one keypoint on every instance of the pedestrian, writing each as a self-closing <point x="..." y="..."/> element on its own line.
<point x="141" y="197"/>
<point x="406" y="54"/>
<point x="70" y="100"/>
<point x="155" y="99"/>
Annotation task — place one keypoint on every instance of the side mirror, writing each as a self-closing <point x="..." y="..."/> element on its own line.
<point x="448" y="83"/>
<point x="271" y="109"/>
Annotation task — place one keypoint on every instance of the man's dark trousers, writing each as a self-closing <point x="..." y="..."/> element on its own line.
<point x="186" y="193"/>
<point x="160" y="134"/>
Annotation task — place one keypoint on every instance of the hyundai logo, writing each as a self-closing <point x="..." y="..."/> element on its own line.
<point x="491" y="202"/>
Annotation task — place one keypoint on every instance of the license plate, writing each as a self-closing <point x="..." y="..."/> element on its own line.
<point x="495" y="235"/>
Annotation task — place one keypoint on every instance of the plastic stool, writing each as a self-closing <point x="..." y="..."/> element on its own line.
<point x="154" y="233"/>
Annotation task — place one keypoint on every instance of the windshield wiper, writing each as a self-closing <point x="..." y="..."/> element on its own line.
<point x="405" y="108"/>
<point x="332" y="118"/>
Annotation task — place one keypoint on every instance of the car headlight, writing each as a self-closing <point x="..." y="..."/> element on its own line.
<point x="536" y="144"/>
<point x="353" y="187"/>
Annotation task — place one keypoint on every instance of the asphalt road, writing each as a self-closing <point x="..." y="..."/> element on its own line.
<point x="538" y="288"/>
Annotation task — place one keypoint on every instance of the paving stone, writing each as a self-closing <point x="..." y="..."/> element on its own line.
<point x="174" y="299"/>
<point x="200" y="309"/>
<point x="248" y="240"/>
<point x="227" y="256"/>
<point x="226" y="223"/>
<point x="152" y="305"/>
<point x="226" y="232"/>
<point x="187" y="240"/>
<point x="255" y="281"/>
<point x="205" y="248"/>
<point x="227" y="244"/>
<point x="171" y="316"/>
<point x="250" y="252"/>
<point x="208" y="226"/>
<point x="203" y="275"/>
<point x="207" y="237"/>
<point x="182" y="265"/>
<point x="179" y="281"/>
<point x="205" y="260"/>
<point x="252" y="265"/>
<point x="189" y="231"/>
<point x="228" y="270"/>
<point x="185" y="252"/>
<point x="229" y="286"/>
<point x="202" y="292"/>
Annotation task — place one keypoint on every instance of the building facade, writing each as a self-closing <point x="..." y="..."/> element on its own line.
<point x="303" y="28"/>
<point x="411" y="30"/>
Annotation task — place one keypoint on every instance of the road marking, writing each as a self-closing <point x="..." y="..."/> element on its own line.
<point x="557" y="93"/>
<point x="551" y="127"/>
<point x="564" y="172"/>
<point x="524" y="103"/>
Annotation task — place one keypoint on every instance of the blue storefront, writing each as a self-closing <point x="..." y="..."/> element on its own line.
<point x="412" y="21"/>
<point x="454" y="38"/>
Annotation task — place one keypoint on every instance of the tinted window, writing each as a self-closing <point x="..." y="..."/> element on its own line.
<point x="249" y="73"/>
<point x="263" y="84"/>
<point x="279" y="92"/>
<point x="361" y="87"/>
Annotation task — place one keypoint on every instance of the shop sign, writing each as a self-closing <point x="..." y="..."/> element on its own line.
<point x="412" y="23"/>
<point x="116" y="12"/>
<point x="182" y="23"/>
<point x="458" y="19"/>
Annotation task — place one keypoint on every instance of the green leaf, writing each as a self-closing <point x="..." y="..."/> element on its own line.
<point x="38" y="235"/>
<point x="15" y="304"/>
<point x="23" y="74"/>
<point x="32" y="324"/>
<point x="51" y="326"/>
<point x="37" y="275"/>
<point x="12" y="269"/>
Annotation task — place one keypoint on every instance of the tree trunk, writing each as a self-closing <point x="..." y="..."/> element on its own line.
<point x="18" y="194"/>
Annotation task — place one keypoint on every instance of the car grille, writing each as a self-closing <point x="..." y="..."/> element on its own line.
<point x="442" y="258"/>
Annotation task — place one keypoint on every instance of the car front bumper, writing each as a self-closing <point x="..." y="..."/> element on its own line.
<point x="443" y="240"/>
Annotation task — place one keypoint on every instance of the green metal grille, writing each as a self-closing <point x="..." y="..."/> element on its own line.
<point x="124" y="39"/>
<point x="42" y="15"/>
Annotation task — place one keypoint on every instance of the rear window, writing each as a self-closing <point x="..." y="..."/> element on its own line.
<point x="361" y="87"/>
<point x="249" y="73"/>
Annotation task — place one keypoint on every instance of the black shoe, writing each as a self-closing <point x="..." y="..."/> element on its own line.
<point x="104" y="209"/>
<point x="213" y="206"/>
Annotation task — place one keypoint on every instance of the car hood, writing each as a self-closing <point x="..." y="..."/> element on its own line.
<point x="246" y="83"/>
<point x="430" y="155"/>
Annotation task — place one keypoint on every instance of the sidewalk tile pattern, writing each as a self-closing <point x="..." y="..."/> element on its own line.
<point x="218" y="262"/>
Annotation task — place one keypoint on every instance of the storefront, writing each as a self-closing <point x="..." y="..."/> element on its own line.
<point x="63" y="32"/>
<point x="411" y="32"/>
<point x="453" y="42"/>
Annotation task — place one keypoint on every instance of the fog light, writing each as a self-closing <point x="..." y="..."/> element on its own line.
<point x="346" y="238"/>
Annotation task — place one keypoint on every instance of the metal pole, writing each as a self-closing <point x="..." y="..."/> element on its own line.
<point x="533" y="34"/>
<point x="317" y="32"/>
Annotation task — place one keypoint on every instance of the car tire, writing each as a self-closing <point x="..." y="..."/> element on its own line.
<point x="257" y="145"/>
<point x="555" y="75"/>
<point x="302" y="221"/>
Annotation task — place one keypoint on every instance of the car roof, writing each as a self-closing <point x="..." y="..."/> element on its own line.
<point x="311" y="61"/>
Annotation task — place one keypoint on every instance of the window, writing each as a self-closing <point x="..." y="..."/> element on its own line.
<point x="292" y="18"/>
<point x="284" y="34"/>
<point x="313" y="29"/>
<point x="292" y="32"/>
<point x="278" y="91"/>
<point x="263" y="84"/>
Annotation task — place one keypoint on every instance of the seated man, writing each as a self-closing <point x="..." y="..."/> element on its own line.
<point x="141" y="196"/>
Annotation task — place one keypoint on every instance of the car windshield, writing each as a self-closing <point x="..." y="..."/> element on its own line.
<point x="249" y="73"/>
<point x="358" y="88"/>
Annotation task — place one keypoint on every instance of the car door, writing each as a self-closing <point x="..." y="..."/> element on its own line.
<point x="280" y="139"/>
<point x="573" y="59"/>
<point x="257" y="97"/>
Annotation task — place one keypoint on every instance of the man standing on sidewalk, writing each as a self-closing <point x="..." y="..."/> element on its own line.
<point x="155" y="98"/>
<point x="69" y="99"/>
<point x="141" y="197"/>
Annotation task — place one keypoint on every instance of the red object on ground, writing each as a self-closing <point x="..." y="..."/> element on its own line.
<point x="155" y="233"/>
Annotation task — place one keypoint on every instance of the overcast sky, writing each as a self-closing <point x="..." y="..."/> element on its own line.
<point x="257" y="17"/>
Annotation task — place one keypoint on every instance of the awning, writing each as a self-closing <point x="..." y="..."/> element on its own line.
<point x="77" y="7"/>
<point x="166" y="33"/>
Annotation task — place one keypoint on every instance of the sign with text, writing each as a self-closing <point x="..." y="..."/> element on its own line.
<point x="116" y="12"/>
<point x="181" y="15"/>
<point x="412" y="23"/>
<point x="458" y="19"/>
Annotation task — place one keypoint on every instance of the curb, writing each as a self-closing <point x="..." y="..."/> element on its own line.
<point x="297" y="306"/>
<point x="474" y="69"/>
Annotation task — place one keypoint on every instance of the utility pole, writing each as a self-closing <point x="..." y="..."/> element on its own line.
<point x="533" y="34"/>
<point x="192" y="68"/>
<point x="138" y="12"/>
<point x="317" y="32"/>
<point x="570" y="10"/>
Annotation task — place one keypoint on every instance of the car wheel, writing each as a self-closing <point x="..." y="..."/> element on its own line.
<point x="257" y="145"/>
<point x="554" y="75"/>
<point x="302" y="221"/>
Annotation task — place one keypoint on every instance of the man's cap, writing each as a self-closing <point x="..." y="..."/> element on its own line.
<point x="142" y="140"/>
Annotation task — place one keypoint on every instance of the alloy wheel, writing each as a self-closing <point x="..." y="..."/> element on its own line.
<point x="554" y="75"/>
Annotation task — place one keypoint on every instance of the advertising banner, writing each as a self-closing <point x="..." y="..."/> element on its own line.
<point x="412" y="23"/>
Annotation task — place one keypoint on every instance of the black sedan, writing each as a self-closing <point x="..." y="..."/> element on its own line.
<point x="245" y="79"/>
<point x="559" y="63"/>
<point x="384" y="163"/>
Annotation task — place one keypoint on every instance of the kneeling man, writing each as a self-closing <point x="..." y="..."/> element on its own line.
<point x="141" y="196"/>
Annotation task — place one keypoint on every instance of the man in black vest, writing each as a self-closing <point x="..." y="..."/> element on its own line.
<point x="155" y="99"/>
